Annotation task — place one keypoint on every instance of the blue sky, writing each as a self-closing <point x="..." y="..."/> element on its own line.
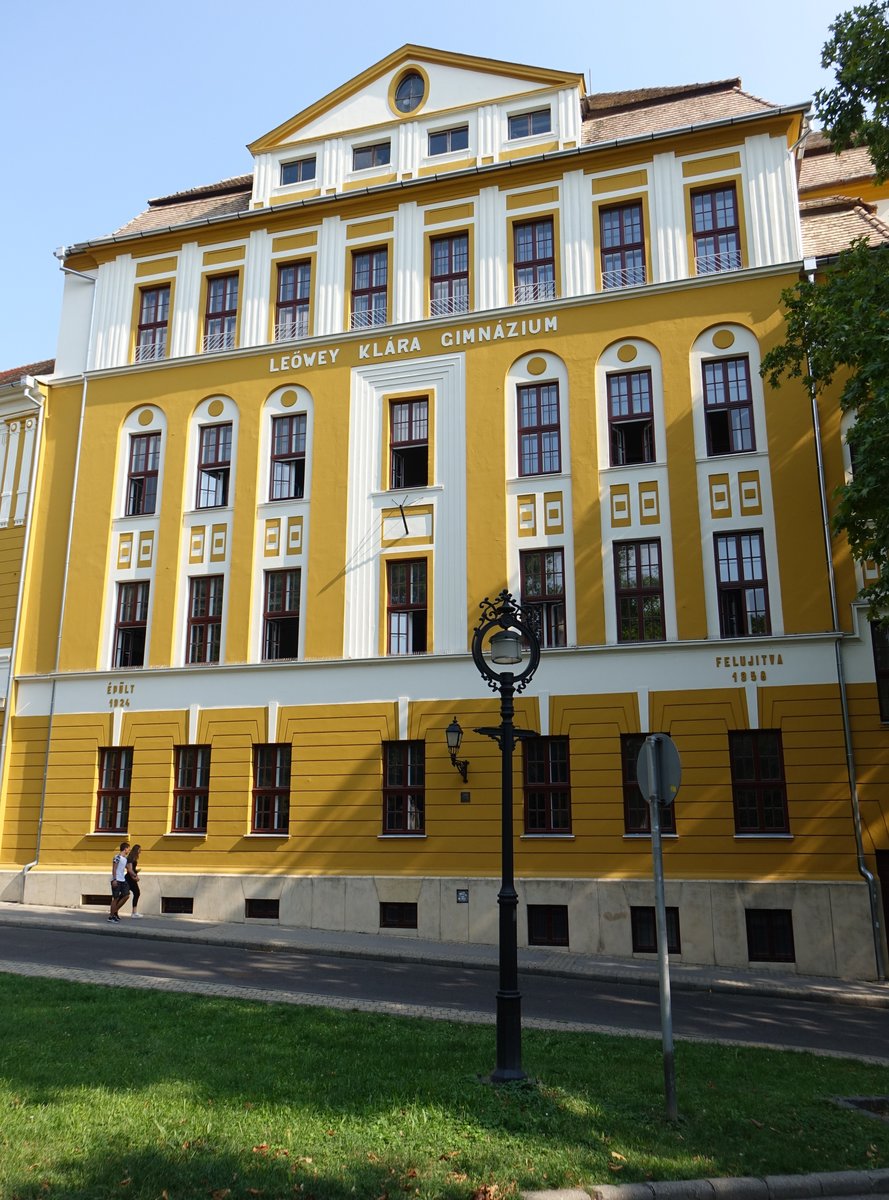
<point x="106" y="104"/>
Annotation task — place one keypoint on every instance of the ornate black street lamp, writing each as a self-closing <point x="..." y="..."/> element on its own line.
<point x="511" y="638"/>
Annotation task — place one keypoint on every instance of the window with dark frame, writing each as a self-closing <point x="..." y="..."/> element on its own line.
<point x="637" y="811"/>
<point x="759" y="791"/>
<point x="447" y="141"/>
<point x="741" y="584"/>
<point x="770" y="935"/>
<point x="409" y="92"/>
<point x="409" y="443"/>
<point x="287" y="474"/>
<point x="221" y="317"/>
<point x="214" y="465"/>
<point x="622" y="245"/>
<point x="280" y="638"/>
<point x="530" y="123"/>
<point x="728" y="406"/>
<point x="880" y="639"/>
<point x="145" y="453"/>
<point x="547" y="785"/>
<point x="191" y="794"/>
<point x="404" y="787"/>
<point x="113" y="795"/>
<point x="716" y="230"/>
<point x="540" y="439"/>
<point x="301" y="170"/>
<point x="406" y="606"/>
<point x="131" y="624"/>
<point x="204" y="631"/>
<point x="548" y="925"/>
<point x="534" y="262"/>
<point x="398" y="914"/>
<point x="154" y="319"/>
<point x="639" y="591"/>
<point x="449" y="275"/>
<point x="643" y="924"/>
<point x="630" y="418"/>
<point x="370" y="281"/>
<point x="543" y="594"/>
<point x="292" y="301"/>
<point x="271" y="788"/>
<point x="376" y="155"/>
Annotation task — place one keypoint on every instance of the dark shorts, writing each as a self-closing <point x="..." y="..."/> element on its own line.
<point x="119" y="890"/>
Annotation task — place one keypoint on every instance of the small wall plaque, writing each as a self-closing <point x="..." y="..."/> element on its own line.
<point x="462" y="895"/>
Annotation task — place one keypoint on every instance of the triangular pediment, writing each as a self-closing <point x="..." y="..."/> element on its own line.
<point x="453" y="82"/>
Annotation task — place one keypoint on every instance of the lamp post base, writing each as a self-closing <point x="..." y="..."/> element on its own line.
<point x="509" y="1038"/>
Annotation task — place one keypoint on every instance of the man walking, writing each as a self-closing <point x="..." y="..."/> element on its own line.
<point x="120" y="888"/>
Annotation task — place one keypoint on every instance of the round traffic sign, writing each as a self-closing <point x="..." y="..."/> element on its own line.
<point x="658" y="769"/>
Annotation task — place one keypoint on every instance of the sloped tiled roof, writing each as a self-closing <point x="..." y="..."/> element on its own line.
<point x="212" y="200"/>
<point x="612" y="115"/>
<point x="822" y="167"/>
<point x="830" y="224"/>
<point x="45" y="367"/>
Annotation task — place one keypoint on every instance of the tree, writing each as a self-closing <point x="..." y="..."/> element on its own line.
<point x="855" y="112"/>
<point x="838" y="325"/>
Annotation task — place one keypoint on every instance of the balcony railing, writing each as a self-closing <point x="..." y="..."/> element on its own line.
<point x="527" y="293"/>
<point x="286" y="331"/>
<point x="368" y="318"/>
<point x="448" y="306"/>
<point x="151" y="351"/>
<point x="712" y="264"/>
<point x="219" y="341"/>
<point x="623" y="278"/>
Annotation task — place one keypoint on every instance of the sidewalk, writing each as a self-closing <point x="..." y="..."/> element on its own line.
<point x="261" y="935"/>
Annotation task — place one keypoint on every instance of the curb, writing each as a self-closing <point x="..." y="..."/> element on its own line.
<point x="767" y="1187"/>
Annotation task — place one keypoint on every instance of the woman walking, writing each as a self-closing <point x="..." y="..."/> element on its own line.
<point x="133" y="876"/>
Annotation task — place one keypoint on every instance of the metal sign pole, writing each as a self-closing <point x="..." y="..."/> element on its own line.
<point x="657" y="795"/>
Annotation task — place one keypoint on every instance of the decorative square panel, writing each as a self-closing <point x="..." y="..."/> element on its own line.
<point x="553" y="512"/>
<point x="218" y="541"/>
<point x="751" y="493"/>
<point x="620" y="504"/>
<point x="720" y="496"/>
<point x="146" y="548"/>
<point x="294" y="535"/>
<point x="527" y="515"/>
<point x="272" y="542"/>
<point x="125" y="551"/>
<point x="649" y="503"/>
<point x="197" y="544"/>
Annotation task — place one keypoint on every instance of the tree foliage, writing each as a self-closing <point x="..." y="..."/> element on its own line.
<point x="838" y="326"/>
<point x="855" y="112"/>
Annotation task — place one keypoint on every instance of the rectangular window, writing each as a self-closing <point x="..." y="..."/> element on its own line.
<point x="409" y="443"/>
<point x="534" y="261"/>
<point x="397" y="915"/>
<point x="370" y="278"/>
<point x="716" y="230"/>
<point x="287" y="475"/>
<point x="271" y="788"/>
<point x="376" y="155"/>
<point x="543" y="594"/>
<point x="115" y="775"/>
<point x="728" y="406"/>
<point x="280" y="637"/>
<point x="302" y="170"/>
<point x="204" y="634"/>
<point x="880" y="639"/>
<point x="770" y="935"/>
<point x="759" y="792"/>
<point x="406" y="606"/>
<point x="154" y="319"/>
<point x="530" y="123"/>
<point x="547" y="785"/>
<point x="214" y="465"/>
<point x="741" y="584"/>
<point x="639" y="591"/>
<point x="622" y="246"/>
<point x="221" y="317"/>
<point x="449" y="275"/>
<point x="540" y="442"/>
<point x="643" y="924"/>
<point x="131" y="624"/>
<point x="547" y="924"/>
<point x="630" y="418"/>
<point x="404" y="787"/>
<point x="192" y="791"/>
<point x="145" y="453"/>
<point x="447" y="141"/>
<point x="292" y="303"/>
<point x="637" y="811"/>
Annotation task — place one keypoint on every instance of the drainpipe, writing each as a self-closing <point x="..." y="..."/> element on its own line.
<point x="866" y="874"/>
<point x="60" y="255"/>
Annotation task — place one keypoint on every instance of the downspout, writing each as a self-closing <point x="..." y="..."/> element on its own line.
<point x="60" y="254"/>
<point x="866" y="874"/>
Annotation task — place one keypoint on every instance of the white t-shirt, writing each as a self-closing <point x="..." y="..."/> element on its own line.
<point x="119" y="868"/>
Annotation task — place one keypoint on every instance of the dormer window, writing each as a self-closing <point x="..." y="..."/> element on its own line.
<point x="365" y="157"/>
<point x="528" y="124"/>
<point x="446" y="141"/>
<point x="301" y="170"/>
<point x="410" y="92"/>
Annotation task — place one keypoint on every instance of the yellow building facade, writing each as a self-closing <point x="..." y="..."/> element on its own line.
<point x="464" y="328"/>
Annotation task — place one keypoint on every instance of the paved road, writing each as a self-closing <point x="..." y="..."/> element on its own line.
<point x="450" y="990"/>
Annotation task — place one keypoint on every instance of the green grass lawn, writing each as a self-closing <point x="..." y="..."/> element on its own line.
<point x="126" y="1093"/>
